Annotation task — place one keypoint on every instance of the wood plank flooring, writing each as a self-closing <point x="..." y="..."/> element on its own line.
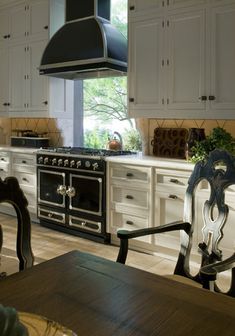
<point x="47" y="244"/>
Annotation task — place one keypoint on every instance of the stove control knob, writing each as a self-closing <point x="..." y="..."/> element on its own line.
<point x="66" y="163"/>
<point x="95" y="166"/>
<point x="46" y="160"/>
<point x="79" y="163"/>
<point x="72" y="163"/>
<point x="87" y="164"/>
<point x="60" y="162"/>
<point x="54" y="161"/>
<point x="40" y="159"/>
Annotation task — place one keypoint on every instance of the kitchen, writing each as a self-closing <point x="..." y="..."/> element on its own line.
<point x="54" y="115"/>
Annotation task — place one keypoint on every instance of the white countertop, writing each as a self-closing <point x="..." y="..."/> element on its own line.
<point x="154" y="161"/>
<point x="18" y="149"/>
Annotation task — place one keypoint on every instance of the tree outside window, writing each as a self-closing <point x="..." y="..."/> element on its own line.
<point x="105" y="100"/>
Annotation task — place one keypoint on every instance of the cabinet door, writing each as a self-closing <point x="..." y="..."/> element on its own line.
<point x="17" y="78"/>
<point x="38" y="19"/>
<point x="4" y="26"/>
<point x="222" y="61"/>
<point x="168" y="208"/>
<point x="139" y="6"/>
<point x="145" y="66"/>
<point x="186" y="64"/>
<point x="4" y="99"/>
<point x="18" y="22"/>
<point x="37" y="86"/>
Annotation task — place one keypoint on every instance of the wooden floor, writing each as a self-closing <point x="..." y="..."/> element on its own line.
<point x="47" y="244"/>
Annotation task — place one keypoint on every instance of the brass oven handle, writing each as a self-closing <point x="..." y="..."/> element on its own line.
<point x="71" y="191"/>
<point x="61" y="190"/>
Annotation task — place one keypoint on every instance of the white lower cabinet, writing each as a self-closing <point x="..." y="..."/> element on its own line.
<point x="23" y="167"/>
<point x="129" y="194"/>
<point x="145" y="196"/>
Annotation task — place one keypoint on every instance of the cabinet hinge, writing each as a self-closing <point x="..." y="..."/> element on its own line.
<point x="163" y="62"/>
<point x="163" y="24"/>
<point x="168" y="23"/>
<point x="168" y="62"/>
<point x="163" y="102"/>
<point x="167" y="101"/>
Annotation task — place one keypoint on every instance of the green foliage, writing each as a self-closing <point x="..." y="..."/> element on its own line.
<point x="219" y="138"/>
<point x="132" y="140"/>
<point x="96" y="138"/>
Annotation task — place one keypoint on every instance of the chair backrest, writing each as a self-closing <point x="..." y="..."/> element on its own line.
<point x="11" y="192"/>
<point x="219" y="172"/>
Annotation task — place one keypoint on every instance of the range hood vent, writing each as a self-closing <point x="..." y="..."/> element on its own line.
<point x="87" y="45"/>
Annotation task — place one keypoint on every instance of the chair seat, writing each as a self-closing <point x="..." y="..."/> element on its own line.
<point x="183" y="279"/>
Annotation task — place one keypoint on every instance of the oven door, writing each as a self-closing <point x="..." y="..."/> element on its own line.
<point x="86" y="194"/>
<point x="51" y="187"/>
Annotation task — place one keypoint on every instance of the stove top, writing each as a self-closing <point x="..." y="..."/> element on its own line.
<point x="85" y="151"/>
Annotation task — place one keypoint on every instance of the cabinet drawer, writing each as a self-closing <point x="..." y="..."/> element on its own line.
<point x="4" y="168"/>
<point x="171" y="179"/>
<point x="128" y="174"/>
<point x="129" y="197"/>
<point x="128" y="222"/>
<point x="19" y="159"/>
<point x="25" y="178"/>
<point x="4" y="157"/>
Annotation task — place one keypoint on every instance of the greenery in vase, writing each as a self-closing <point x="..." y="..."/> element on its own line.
<point x="219" y="138"/>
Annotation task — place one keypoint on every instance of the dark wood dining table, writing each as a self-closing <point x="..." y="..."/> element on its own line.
<point x="95" y="296"/>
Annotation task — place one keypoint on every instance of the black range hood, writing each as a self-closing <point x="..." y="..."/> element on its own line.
<point x="87" y="45"/>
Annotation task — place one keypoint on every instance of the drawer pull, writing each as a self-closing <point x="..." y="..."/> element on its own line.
<point x="129" y="222"/>
<point x="25" y="179"/>
<point x="3" y="159"/>
<point x="129" y="175"/>
<point x="173" y="180"/>
<point x="23" y="161"/>
<point x="172" y="196"/>
<point x="1" y="169"/>
<point x="129" y="197"/>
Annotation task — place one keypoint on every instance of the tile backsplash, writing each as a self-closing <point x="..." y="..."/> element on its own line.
<point x="147" y="126"/>
<point x="60" y="132"/>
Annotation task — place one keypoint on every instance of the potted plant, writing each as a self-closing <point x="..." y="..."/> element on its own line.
<point x="219" y="138"/>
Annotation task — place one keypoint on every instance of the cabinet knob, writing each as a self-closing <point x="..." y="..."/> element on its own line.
<point x="172" y="180"/>
<point x="172" y="197"/>
<point x="203" y="98"/>
<point x="132" y="8"/>
<point x="129" y="175"/>
<point x="131" y="100"/>
<point x="45" y="102"/>
<point x="45" y="27"/>
<point x="211" y="97"/>
<point x="129" y="222"/>
<point x="129" y="197"/>
<point x="5" y="36"/>
<point x="4" y="104"/>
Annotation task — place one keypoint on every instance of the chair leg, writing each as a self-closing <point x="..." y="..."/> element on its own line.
<point x="123" y="250"/>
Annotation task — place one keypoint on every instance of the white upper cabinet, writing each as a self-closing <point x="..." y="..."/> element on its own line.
<point x="221" y="84"/>
<point x="25" y="27"/>
<point x="182" y="61"/>
<point x="146" y="54"/>
<point x="184" y="67"/>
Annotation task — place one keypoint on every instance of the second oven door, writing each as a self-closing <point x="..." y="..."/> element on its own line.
<point x="86" y="194"/>
<point x="51" y="188"/>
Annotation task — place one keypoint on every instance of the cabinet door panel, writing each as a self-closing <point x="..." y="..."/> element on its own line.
<point x="186" y="70"/>
<point x="18" y="26"/>
<point x="38" y="19"/>
<point x="223" y="56"/>
<point x="4" y="99"/>
<point x="146" y="47"/>
<point x="17" y="73"/>
<point x="37" y="85"/>
<point x="4" y="26"/>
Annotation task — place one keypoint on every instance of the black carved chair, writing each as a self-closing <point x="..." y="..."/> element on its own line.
<point x="219" y="171"/>
<point x="10" y="192"/>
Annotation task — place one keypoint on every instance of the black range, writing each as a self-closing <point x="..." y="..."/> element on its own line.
<point x="71" y="190"/>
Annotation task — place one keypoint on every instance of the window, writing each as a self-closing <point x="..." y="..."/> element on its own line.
<point x="105" y="102"/>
